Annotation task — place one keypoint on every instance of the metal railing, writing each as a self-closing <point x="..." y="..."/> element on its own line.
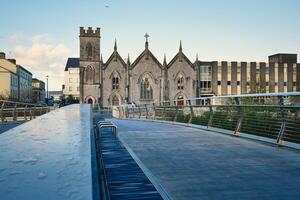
<point x="275" y="116"/>
<point x="17" y="111"/>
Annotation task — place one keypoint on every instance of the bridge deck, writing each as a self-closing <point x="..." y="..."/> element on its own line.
<point x="193" y="164"/>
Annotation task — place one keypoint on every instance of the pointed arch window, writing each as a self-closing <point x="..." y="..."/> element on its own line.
<point x="180" y="82"/>
<point x="89" y="74"/>
<point x="146" y="89"/>
<point x="89" y="49"/>
<point x="115" y="81"/>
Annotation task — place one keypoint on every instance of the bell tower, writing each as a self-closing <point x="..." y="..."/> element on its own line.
<point x="90" y="67"/>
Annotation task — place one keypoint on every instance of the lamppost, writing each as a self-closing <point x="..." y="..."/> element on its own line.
<point x="47" y="87"/>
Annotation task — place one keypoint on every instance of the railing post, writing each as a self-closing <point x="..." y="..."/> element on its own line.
<point x="283" y="113"/>
<point x="147" y="112"/>
<point x="176" y="113"/>
<point x="154" y="116"/>
<point x="211" y="112"/>
<point x="30" y="113"/>
<point x="240" y="120"/>
<point x="2" y="112"/>
<point x="15" y="113"/>
<point x="25" y="116"/>
<point x="164" y="112"/>
<point x="34" y="112"/>
<point x="139" y="109"/>
<point x="191" y="110"/>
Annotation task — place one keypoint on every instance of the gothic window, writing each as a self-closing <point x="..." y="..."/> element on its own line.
<point x="89" y="74"/>
<point x="115" y="101"/>
<point x="115" y="78"/>
<point x="146" y="89"/>
<point x="89" y="50"/>
<point x="180" y="83"/>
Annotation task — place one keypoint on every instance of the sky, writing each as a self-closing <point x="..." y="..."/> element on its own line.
<point x="42" y="34"/>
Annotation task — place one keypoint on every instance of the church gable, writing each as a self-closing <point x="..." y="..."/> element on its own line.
<point x="180" y="57"/>
<point x="144" y="56"/>
<point x="115" y="57"/>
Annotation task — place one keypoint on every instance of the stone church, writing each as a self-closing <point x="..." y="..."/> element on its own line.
<point x="146" y="80"/>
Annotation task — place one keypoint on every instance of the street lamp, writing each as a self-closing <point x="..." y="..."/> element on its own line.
<point x="47" y="87"/>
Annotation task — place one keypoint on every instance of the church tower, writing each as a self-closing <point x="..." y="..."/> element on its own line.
<point x="90" y="66"/>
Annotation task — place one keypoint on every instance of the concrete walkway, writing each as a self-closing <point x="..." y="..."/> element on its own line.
<point x="193" y="164"/>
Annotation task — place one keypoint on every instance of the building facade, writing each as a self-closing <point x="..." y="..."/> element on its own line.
<point x="146" y="80"/>
<point x="8" y="79"/>
<point x="38" y="91"/>
<point x="72" y="79"/>
<point x="24" y="84"/>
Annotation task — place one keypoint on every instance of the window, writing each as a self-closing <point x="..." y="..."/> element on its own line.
<point x="238" y="82"/>
<point x="180" y="82"/>
<point x="219" y="82"/>
<point x="146" y="89"/>
<point x="70" y="80"/>
<point x="228" y="83"/>
<point x="115" y="83"/>
<point x="89" y="49"/>
<point x="115" y="100"/>
<point x="70" y="88"/>
<point x="77" y="89"/>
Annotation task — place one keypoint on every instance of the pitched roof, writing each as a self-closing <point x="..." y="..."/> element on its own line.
<point x="177" y="57"/>
<point x="137" y="60"/>
<point x="112" y="56"/>
<point x="72" y="63"/>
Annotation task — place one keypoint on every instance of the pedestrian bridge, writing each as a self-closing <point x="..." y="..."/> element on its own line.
<point x="64" y="155"/>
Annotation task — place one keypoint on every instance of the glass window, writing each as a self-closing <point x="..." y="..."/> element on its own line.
<point x="180" y="83"/>
<point x="146" y="90"/>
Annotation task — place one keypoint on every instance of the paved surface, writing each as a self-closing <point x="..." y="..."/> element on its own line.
<point x="6" y="126"/>
<point x="48" y="157"/>
<point x="194" y="164"/>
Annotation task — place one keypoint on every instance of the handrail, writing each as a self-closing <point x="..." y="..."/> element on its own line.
<point x="14" y="111"/>
<point x="278" y="120"/>
<point x="280" y="94"/>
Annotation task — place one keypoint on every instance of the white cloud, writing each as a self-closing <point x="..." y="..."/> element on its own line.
<point x="41" y="38"/>
<point x="16" y="36"/>
<point x="43" y="59"/>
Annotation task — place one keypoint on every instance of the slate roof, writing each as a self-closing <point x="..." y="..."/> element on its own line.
<point x="72" y="63"/>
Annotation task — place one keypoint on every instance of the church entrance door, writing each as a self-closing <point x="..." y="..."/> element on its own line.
<point x="180" y="100"/>
<point x="90" y="101"/>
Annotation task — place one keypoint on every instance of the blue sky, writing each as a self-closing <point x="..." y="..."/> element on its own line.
<point x="241" y="30"/>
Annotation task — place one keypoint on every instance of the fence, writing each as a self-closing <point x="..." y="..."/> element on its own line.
<point x="16" y="111"/>
<point x="275" y="116"/>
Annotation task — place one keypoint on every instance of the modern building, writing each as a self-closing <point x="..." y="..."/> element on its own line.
<point x="38" y="91"/>
<point x="25" y="84"/>
<point x="71" y="86"/>
<point x="147" y="80"/>
<point x="57" y="95"/>
<point x="8" y="79"/>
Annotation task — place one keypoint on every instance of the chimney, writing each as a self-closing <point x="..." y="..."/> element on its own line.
<point x="12" y="61"/>
<point x="2" y="55"/>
